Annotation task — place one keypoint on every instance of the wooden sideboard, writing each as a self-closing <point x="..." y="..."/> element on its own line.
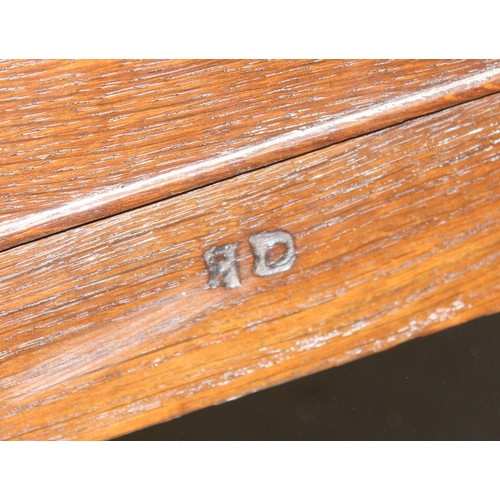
<point x="176" y="234"/>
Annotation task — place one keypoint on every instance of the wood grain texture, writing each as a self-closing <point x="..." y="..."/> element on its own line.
<point x="112" y="326"/>
<point x="82" y="140"/>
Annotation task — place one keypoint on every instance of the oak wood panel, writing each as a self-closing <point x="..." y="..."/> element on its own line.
<point x="82" y="140"/>
<point x="112" y="326"/>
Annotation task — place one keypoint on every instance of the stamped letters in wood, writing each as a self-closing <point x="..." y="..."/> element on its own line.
<point x="222" y="265"/>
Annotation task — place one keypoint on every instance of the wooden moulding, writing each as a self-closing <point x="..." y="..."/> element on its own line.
<point x="113" y="326"/>
<point x="83" y="140"/>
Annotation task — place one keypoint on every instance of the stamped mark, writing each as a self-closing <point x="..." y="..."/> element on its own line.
<point x="262" y="243"/>
<point x="222" y="265"/>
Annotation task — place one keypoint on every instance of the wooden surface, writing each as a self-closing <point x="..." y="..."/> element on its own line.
<point x="113" y="326"/>
<point x="82" y="140"/>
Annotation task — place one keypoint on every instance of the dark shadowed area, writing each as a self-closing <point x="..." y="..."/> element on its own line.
<point x="442" y="387"/>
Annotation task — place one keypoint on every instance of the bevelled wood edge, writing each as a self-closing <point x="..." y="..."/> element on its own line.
<point x="88" y="139"/>
<point x="263" y="278"/>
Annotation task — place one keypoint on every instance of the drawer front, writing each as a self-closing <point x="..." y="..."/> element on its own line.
<point x="253" y="281"/>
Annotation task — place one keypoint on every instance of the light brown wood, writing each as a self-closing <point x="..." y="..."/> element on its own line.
<point x="82" y="140"/>
<point x="112" y="326"/>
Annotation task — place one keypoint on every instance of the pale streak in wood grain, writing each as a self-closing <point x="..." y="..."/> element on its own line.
<point x="82" y="140"/>
<point x="111" y="327"/>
